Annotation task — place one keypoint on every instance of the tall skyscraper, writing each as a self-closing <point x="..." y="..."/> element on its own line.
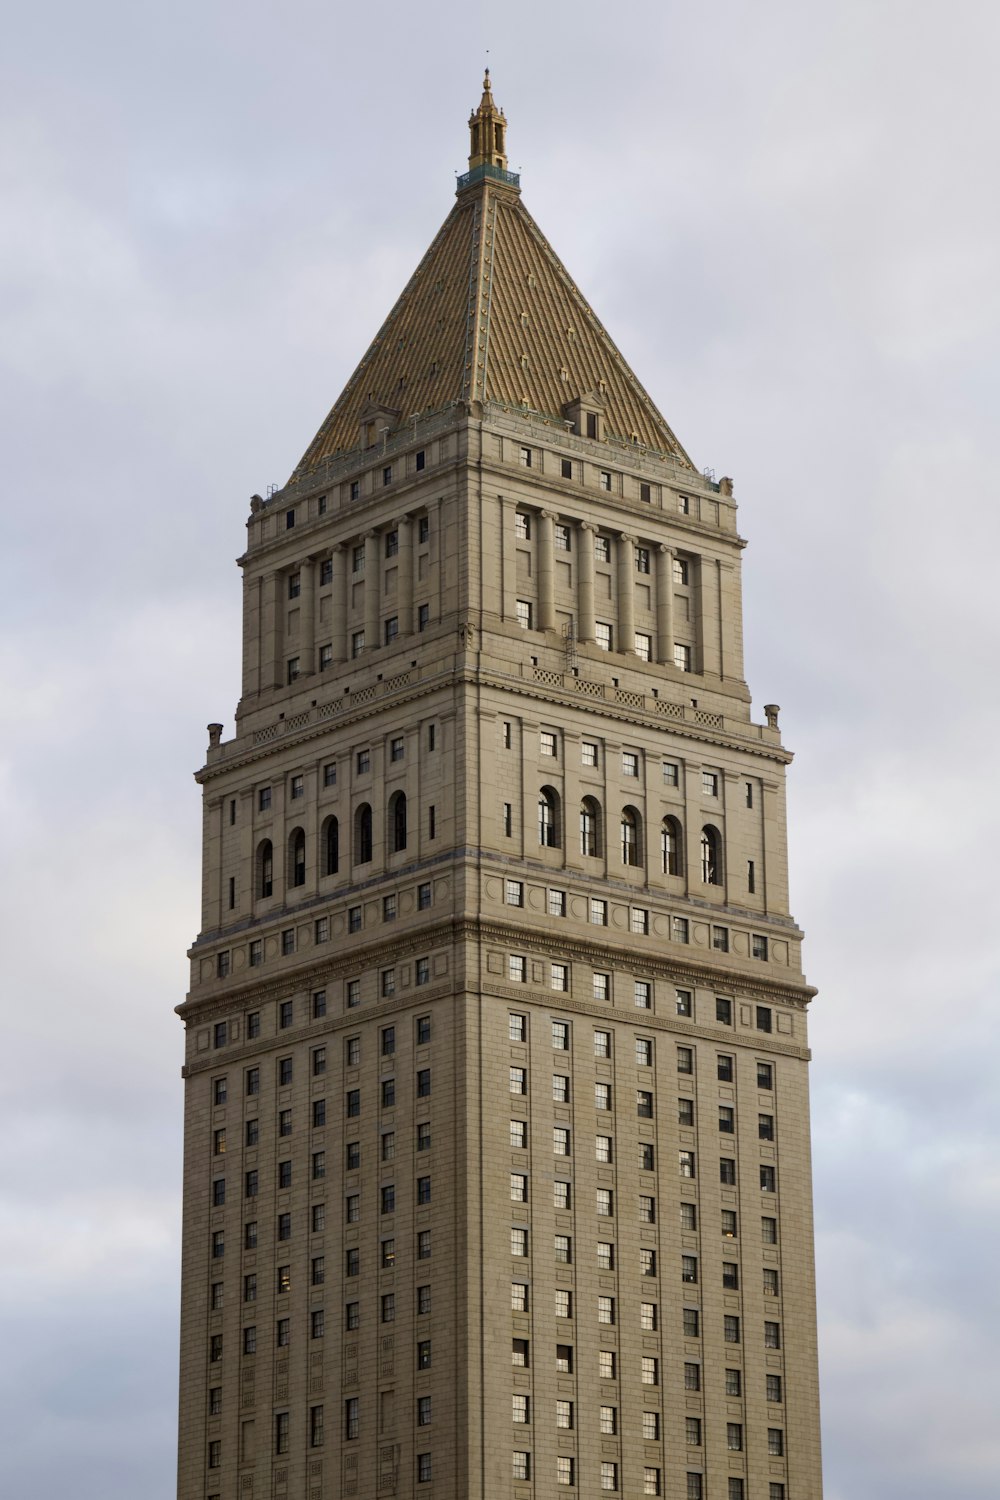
<point x="497" y="1176"/>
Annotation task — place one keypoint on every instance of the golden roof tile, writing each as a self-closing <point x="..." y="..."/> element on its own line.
<point x="490" y="314"/>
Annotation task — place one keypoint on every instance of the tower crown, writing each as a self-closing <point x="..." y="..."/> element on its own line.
<point x="487" y="132"/>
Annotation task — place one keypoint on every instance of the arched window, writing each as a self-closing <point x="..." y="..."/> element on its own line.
<point x="363" y="835"/>
<point x="265" y="869"/>
<point x="548" y="818"/>
<point x="397" y="820"/>
<point x="631" y="832"/>
<point x="670" y="847"/>
<point x="711" y="855"/>
<point x="331" y="846"/>
<point x="297" y="857"/>
<point x="590" y="827"/>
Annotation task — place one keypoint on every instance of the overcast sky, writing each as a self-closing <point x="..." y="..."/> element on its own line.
<point x="786" y="213"/>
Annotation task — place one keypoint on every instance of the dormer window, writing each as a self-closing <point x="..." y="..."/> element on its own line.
<point x="586" y="413"/>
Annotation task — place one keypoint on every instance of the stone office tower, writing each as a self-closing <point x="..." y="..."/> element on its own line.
<point x="497" y="1176"/>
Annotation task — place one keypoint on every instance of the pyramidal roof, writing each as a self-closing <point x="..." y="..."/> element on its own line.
<point x="490" y="314"/>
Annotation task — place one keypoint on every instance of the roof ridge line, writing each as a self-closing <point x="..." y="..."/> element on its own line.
<point x="486" y="281"/>
<point x="353" y="380"/>
<point x="577" y="295"/>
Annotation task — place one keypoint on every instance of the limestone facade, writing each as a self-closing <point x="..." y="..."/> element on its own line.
<point x="496" y="1035"/>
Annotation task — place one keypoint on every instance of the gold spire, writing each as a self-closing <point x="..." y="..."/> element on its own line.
<point x="487" y="132"/>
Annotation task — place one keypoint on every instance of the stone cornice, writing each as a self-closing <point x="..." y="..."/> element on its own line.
<point x="292" y="731"/>
<point x="649" y="963"/>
